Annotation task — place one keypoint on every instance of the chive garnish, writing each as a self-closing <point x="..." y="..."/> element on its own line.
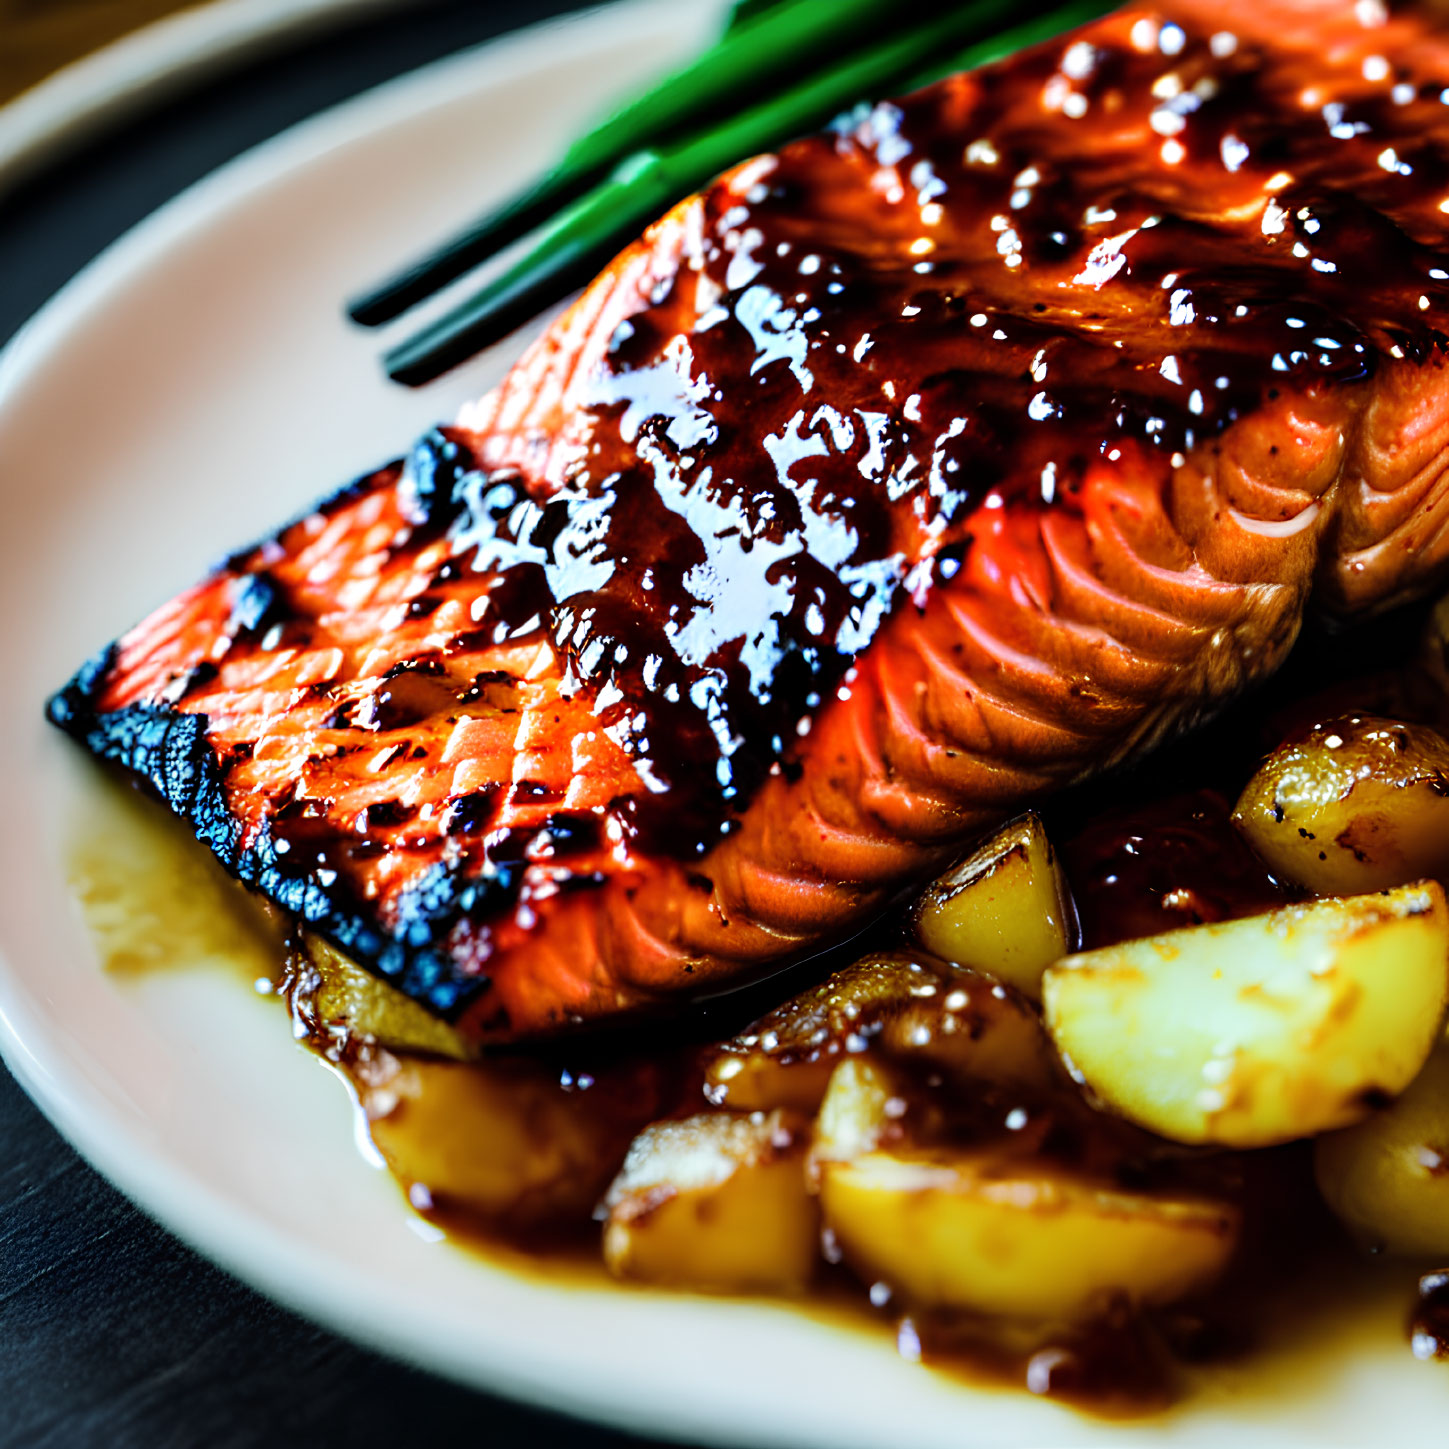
<point x="580" y="239"/>
<point x="743" y="11"/>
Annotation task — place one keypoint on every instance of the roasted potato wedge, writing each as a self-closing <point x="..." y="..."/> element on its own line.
<point x="1260" y="1030"/>
<point x="1004" y="910"/>
<point x="907" y="1005"/>
<point x="990" y="1229"/>
<point x="1388" y="1177"/>
<point x="504" y="1141"/>
<point x="1359" y="804"/>
<point x="340" y="998"/>
<point x="717" y="1203"/>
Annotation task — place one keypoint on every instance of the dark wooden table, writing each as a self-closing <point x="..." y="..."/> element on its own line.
<point x="111" y="1332"/>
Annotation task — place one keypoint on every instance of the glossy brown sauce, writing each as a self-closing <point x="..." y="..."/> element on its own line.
<point x="528" y="670"/>
<point x="877" y="371"/>
<point x="1429" y="1328"/>
<point x="1139" y="871"/>
<point x="879" y="344"/>
<point x="1121" y="1365"/>
<point x="1163" y="855"/>
<point x="1295" y="1266"/>
<point x="888" y="331"/>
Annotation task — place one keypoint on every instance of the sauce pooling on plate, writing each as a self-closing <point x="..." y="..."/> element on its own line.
<point x="1430" y="1328"/>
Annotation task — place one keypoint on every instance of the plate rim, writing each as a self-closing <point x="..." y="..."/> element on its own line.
<point x="226" y="1232"/>
<point x="143" y="69"/>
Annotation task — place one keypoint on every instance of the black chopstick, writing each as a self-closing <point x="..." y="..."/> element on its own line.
<point x="768" y="42"/>
<point x="581" y="238"/>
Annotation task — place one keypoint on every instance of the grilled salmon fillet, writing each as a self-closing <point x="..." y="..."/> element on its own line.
<point x="938" y="461"/>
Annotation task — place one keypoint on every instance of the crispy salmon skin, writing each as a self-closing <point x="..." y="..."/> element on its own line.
<point x="940" y="460"/>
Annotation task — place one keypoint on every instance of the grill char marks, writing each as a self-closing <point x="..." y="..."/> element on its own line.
<point x="930" y="465"/>
<point x="351" y="758"/>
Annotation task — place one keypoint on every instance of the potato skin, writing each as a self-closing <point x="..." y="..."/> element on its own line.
<point x="1005" y="910"/>
<point x="1357" y="804"/>
<point x="1387" y="1179"/>
<point x="717" y="1203"/>
<point x="336" y="998"/>
<point x="1257" y="1031"/>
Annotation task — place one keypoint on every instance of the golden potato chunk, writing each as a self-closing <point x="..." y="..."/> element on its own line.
<point x="503" y="1140"/>
<point x="1260" y="1030"/>
<point x="510" y="1142"/>
<point x="717" y="1203"/>
<point x="989" y="1228"/>
<point x="1388" y="1177"/>
<point x="1005" y="909"/>
<point x="907" y="1005"/>
<point x="1356" y="805"/>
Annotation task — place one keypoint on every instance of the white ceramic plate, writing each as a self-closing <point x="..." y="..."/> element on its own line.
<point x="145" y="68"/>
<point x="192" y="388"/>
